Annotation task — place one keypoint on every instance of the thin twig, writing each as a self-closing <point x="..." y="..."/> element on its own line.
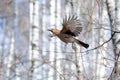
<point x="101" y="44"/>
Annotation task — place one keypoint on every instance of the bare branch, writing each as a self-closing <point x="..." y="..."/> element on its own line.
<point x="102" y="43"/>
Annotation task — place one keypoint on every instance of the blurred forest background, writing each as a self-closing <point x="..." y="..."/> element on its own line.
<point x="27" y="52"/>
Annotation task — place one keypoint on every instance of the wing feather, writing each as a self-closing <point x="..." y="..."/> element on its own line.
<point x="71" y="26"/>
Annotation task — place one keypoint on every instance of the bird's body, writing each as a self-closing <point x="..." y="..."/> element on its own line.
<point x="66" y="38"/>
<point x="71" y="29"/>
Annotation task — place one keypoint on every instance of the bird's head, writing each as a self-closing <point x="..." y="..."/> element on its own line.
<point x="54" y="31"/>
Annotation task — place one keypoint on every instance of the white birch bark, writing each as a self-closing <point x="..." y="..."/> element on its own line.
<point x="44" y="73"/>
<point x="2" y="58"/>
<point x="111" y="14"/>
<point x="16" y="36"/>
<point x="11" y="57"/>
<point x="45" y="39"/>
<point x="34" y="39"/>
<point x="111" y="11"/>
<point x="58" y="42"/>
<point x="12" y="52"/>
<point x="52" y="42"/>
<point x="101" y="69"/>
<point x="90" y="17"/>
<point x="93" y="65"/>
<point x="117" y="37"/>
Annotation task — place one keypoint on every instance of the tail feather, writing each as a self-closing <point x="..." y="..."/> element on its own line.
<point x="82" y="43"/>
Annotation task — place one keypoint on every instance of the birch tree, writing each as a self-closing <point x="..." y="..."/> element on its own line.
<point x="52" y="44"/>
<point x="2" y="53"/>
<point x="11" y="55"/>
<point x="34" y="39"/>
<point x="50" y="58"/>
<point x="16" y="37"/>
<point x="116" y="40"/>
<point x="58" y="42"/>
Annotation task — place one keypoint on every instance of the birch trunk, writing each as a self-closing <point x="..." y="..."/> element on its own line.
<point x="34" y="39"/>
<point x="52" y="43"/>
<point x="2" y="58"/>
<point x="44" y="73"/>
<point x="111" y="14"/>
<point x="12" y="50"/>
<point x="46" y="44"/>
<point x="11" y="57"/>
<point x="16" y="36"/>
<point x="117" y="39"/>
<point x="58" y="42"/>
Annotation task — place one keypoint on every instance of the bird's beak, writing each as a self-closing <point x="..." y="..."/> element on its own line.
<point x="50" y="30"/>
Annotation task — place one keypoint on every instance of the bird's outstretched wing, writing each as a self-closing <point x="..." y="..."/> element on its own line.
<point x="71" y="26"/>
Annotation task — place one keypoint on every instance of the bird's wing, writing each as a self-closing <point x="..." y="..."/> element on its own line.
<point x="71" y="26"/>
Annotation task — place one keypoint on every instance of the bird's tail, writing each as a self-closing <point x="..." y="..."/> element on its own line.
<point x="82" y="43"/>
